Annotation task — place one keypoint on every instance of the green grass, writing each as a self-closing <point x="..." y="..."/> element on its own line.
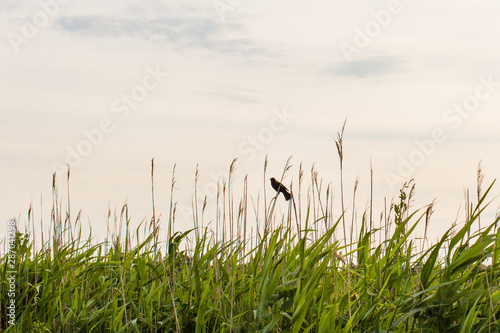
<point x="291" y="276"/>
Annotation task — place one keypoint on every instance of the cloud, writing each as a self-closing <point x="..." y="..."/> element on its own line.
<point x="180" y="32"/>
<point x="17" y="12"/>
<point x="369" y="66"/>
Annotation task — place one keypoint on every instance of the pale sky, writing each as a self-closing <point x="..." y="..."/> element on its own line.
<point x="189" y="82"/>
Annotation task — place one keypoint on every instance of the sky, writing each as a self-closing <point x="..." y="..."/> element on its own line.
<point x="104" y="87"/>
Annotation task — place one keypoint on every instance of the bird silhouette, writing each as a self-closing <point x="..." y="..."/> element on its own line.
<point x="280" y="188"/>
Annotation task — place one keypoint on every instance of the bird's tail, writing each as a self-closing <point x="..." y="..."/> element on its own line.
<point x="286" y="195"/>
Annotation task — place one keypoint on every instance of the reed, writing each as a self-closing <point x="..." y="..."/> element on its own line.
<point x="283" y="272"/>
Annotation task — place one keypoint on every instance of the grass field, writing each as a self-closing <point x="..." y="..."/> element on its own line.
<point x="293" y="274"/>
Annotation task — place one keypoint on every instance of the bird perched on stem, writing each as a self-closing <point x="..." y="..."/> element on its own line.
<point x="280" y="188"/>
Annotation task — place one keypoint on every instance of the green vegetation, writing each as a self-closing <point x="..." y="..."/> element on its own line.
<point x="292" y="276"/>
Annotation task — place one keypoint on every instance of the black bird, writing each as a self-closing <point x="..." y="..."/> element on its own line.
<point x="280" y="188"/>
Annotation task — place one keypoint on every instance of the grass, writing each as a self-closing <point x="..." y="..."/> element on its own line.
<point x="291" y="275"/>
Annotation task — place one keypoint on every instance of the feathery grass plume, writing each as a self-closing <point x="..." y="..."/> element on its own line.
<point x="301" y="179"/>
<point x="479" y="183"/>
<point x="153" y="226"/>
<point x="340" y="151"/>
<point x="266" y="214"/>
<point x="231" y="228"/>
<point x="428" y="213"/>
<point x="172" y="208"/>
<point x="468" y="208"/>
<point x="195" y="202"/>
<point x="353" y="222"/>
<point x="68" y="209"/>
